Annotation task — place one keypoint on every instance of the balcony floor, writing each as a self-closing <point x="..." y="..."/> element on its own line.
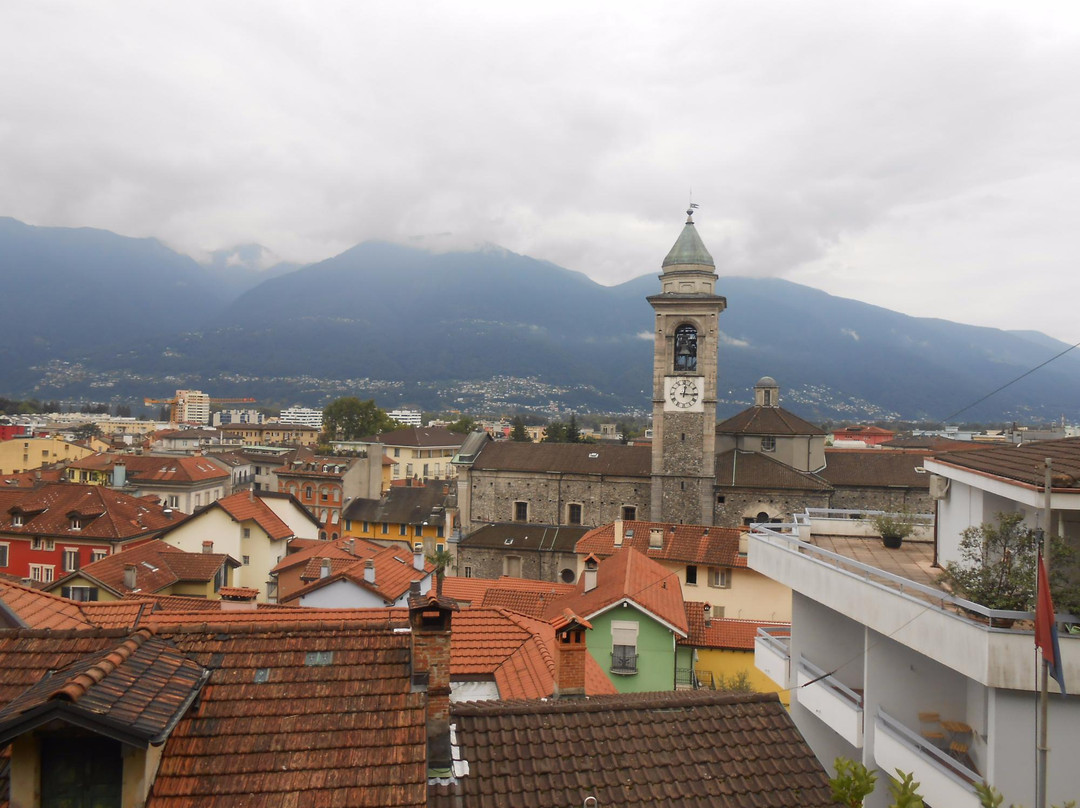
<point x="912" y="560"/>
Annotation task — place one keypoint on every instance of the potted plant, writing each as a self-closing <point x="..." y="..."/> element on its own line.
<point x="893" y="528"/>
<point x="998" y="564"/>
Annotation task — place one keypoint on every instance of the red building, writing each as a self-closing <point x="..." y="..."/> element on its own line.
<point x="57" y="528"/>
<point x="870" y="435"/>
<point x="12" y="431"/>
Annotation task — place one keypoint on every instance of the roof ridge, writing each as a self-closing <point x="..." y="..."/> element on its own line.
<point x="74" y="689"/>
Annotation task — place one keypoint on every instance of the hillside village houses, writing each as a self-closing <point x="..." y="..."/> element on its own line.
<point x="670" y="566"/>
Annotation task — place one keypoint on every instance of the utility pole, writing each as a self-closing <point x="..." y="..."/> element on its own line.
<point x="1043" y="747"/>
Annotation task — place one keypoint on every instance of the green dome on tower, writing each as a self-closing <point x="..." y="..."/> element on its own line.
<point x="689" y="248"/>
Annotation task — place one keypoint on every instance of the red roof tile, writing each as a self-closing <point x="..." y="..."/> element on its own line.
<point x="767" y="421"/>
<point x="157" y="566"/>
<point x="569" y="458"/>
<point x="627" y="575"/>
<point x="152" y="468"/>
<point x="685" y="544"/>
<point x="473" y="590"/>
<point x="22" y="606"/>
<point x="109" y="515"/>
<point x="725" y="633"/>
<point x="245" y="507"/>
<point x="740" y="469"/>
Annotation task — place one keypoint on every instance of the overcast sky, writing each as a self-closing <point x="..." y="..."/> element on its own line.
<point x="923" y="156"/>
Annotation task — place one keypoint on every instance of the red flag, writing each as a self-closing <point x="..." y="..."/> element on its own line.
<point x="1046" y="636"/>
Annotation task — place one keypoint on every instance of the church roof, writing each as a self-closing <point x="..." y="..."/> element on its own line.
<point x="689" y="248"/>
<point x="739" y="469"/>
<point x="767" y="421"/>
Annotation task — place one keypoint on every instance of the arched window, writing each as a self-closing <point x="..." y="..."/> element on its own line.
<point x="685" y="348"/>
<point x="309" y="492"/>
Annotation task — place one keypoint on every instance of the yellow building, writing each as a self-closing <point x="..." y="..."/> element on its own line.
<point x="27" y="454"/>
<point x="407" y="514"/>
<point x="415" y="453"/>
<point x="153" y="568"/>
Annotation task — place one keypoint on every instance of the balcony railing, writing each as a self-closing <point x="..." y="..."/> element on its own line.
<point x="772" y="652"/>
<point x="838" y="705"/>
<point x="624" y="664"/>
<point x="780" y="535"/>
<point x="944" y="779"/>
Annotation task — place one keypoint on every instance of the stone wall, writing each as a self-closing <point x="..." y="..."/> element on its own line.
<point x="741" y="502"/>
<point x="909" y="500"/>
<point x="491" y="562"/>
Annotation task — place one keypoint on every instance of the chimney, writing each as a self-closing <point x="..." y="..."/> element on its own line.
<point x="119" y="475"/>
<point x="350" y="546"/>
<point x="618" y="533"/>
<point x="208" y="547"/>
<point x="429" y="622"/>
<point x="129" y="576"/>
<point x="324" y="570"/>
<point x="251" y="494"/>
<point x="708" y="615"/>
<point x="744" y="544"/>
<point x="590" y="573"/>
<point x="656" y="538"/>
<point x="418" y="558"/>
<point x="369" y="571"/>
<point x="570" y="653"/>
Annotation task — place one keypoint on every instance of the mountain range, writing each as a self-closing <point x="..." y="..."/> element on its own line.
<point x="91" y="315"/>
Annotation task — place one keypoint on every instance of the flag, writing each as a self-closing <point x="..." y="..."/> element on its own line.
<point x="1046" y="635"/>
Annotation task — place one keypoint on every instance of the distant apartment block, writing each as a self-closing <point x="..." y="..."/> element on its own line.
<point x="305" y="416"/>
<point x="407" y="417"/>
<point x="248" y="416"/>
<point x="192" y="407"/>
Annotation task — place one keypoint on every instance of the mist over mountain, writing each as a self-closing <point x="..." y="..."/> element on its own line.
<point x="100" y="316"/>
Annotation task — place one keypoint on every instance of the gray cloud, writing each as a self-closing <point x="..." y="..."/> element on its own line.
<point x="920" y="156"/>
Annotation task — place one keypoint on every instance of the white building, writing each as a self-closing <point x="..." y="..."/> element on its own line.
<point x="888" y="669"/>
<point x="305" y="416"/>
<point x="407" y="417"/>
<point x="192" y="407"/>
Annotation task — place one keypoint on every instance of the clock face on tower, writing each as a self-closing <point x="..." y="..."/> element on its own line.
<point x="683" y="393"/>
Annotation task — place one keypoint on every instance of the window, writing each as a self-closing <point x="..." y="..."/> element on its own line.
<point x="629" y="513"/>
<point x="174" y="501"/>
<point x="685" y="348"/>
<point x="247" y="560"/>
<point x="691" y="575"/>
<point x="567" y="575"/>
<point x="439" y="548"/>
<point x="38" y="543"/>
<point x="71" y="559"/>
<point x="521" y="511"/>
<point x="97" y="555"/>
<point x="512" y="566"/>
<point x="403" y="529"/>
<point x="397" y="452"/>
<point x="42" y="572"/>
<point x="408" y="469"/>
<point x="247" y="532"/>
<point x="75" y="523"/>
<point x="418" y="530"/>
<point x="439" y="531"/>
<point x="324" y="494"/>
<point x="17" y="520"/>
<point x="385" y="528"/>
<point x="468" y="572"/>
<point x="720" y="578"/>
<point x="79" y="593"/>
<point x="309" y="492"/>
<point x="367" y="527"/>
<point x="3" y="555"/>
<point x="624" y="647"/>
<point x="573" y="514"/>
<point x="768" y="444"/>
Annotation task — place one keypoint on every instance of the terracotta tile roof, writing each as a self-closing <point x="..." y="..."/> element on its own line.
<point x="933" y="443"/>
<point x="117" y="613"/>
<point x="418" y="437"/>
<point x="524" y="536"/>
<point x="875" y="468"/>
<point x="686" y="748"/>
<point x="171" y="604"/>
<point x="739" y="469"/>
<point x="767" y="421"/>
<point x="393" y="566"/>
<point x="109" y="515"/>
<point x="533" y="604"/>
<point x="684" y="544"/>
<point x="158" y="469"/>
<point x="157" y="566"/>
<point x="132" y="690"/>
<point x="238" y="592"/>
<point x="246" y="507"/>
<point x="318" y="467"/>
<point x="1024" y="463"/>
<point x="568" y="458"/>
<point x="318" y="549"/>
<point x="30" y="479"/>
<point x="473" y="590"/>
<point x="726" y="633"/>
<point x="631" y="576"/>
<point x="24" y="607"/>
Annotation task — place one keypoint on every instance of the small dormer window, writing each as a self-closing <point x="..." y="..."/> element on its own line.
<point x="17" y="520"/>
<point x="76" y="523"/>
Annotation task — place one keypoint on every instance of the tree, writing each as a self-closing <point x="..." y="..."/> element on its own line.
<point x="350" y="418"/>
<point x="442" y="559"/>
<point x="86" y="431"/>
<point x="463" y="425"/>
<point x="573" y="434"/>
<point x="519" y="433"/>
<point x="123" y="411"/>
<point x="852" y="784"/>
<point x="555" y="432"/>
<point x="998" y="566"/>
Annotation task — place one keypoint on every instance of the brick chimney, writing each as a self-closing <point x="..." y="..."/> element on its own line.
<point x="430" y="625"/>
<point x="208" y="547"/>
<point x="570" y="651"/>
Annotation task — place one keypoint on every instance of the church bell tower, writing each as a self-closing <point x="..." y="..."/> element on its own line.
<point x="684" y="382"/>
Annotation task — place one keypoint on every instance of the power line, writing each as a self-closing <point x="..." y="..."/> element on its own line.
<point x="945" y="420"/>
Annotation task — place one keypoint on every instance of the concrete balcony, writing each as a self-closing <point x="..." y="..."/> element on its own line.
<point x="943" y="779"/>
<point x="840" y="707"/>
<point x="772" y="653"/>
<point x="902" y="603"/>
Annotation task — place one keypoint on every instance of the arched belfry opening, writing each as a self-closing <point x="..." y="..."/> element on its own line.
<point x="685" y="348"/>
